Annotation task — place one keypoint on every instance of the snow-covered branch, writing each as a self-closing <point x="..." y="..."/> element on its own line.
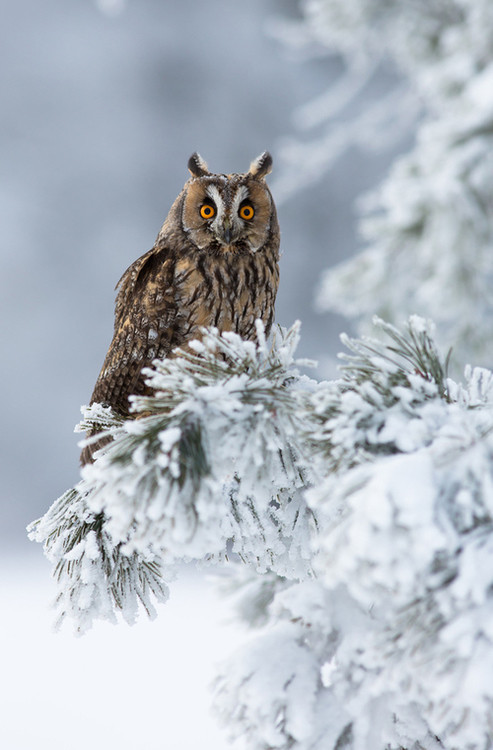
<point x="390" y="645"/>
<point x="215" y="454"/>
<point x="357" y="514"/>
<point x="428" y="228"/>
<point x="431" y="234"/>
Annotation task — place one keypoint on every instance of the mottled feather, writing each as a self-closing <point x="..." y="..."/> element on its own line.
<point x="222" y="271"/>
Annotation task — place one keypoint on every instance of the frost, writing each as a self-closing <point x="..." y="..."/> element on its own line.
<point x="216" y="456"/>
<point x="355" y="517"/>
<point x="427" y="229"/>
<point x="398" y="617"/>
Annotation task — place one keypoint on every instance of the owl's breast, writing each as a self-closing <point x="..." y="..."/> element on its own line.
<point x="229" y="291"/>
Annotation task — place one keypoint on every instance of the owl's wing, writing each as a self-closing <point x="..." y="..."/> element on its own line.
<point x="128" y="281"/>
<point x="146" y="314"/>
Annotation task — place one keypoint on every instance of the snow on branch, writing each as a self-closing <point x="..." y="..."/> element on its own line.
<point x="390" y="645"/>
<point x="214" y="454"/>
<point x="430" y="234"/>
<point x="428" y="228"/>
<point x="96" y="577"/>
<point x="361" y="514"/>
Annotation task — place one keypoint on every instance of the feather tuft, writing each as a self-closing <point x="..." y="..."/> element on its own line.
<point x="197" y="166"/>
<point x="261" y="166"/>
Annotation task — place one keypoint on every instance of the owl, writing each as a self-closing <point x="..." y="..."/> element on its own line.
<point x="214" y="263"/>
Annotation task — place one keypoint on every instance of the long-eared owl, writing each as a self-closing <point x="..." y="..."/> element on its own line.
<point x="214" y="262"/>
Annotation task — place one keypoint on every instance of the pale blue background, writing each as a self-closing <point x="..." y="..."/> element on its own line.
<point x="99" y="117"/>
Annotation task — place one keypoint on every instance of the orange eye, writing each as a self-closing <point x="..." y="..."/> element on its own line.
<point x="207" y="211"/>
<point x="247" y="212"/>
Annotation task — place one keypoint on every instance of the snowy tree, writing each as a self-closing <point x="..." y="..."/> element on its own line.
<point x="357" y="515"/>
<point x="354" y="516"/>
<point x="429" y="227"/>
<point x="390" y="644"/>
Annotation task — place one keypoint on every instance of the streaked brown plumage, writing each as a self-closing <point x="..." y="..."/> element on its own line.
<point x="214" y="262"/>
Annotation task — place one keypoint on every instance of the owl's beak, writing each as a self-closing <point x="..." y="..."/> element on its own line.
<point x="226" y="231"/>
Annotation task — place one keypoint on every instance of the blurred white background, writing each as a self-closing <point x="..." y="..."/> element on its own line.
<point x="100" y="114"/>
<point x="145" y="687"/>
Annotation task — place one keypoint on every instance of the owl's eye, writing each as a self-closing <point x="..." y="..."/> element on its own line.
<point x="207" y="211"/>
<point x="247" y="212"/>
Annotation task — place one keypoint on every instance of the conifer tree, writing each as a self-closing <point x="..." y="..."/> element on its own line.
<point x="428" y="228"/>
<point x="355" y="516"/>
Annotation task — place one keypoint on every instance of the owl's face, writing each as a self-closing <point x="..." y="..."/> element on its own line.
<point x="228" y="212"/>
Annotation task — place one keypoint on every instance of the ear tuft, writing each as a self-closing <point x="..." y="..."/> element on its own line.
<point x="261" y="166"/>
<point x="197" y="165"/>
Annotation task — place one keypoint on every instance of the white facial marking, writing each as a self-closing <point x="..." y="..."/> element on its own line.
<point x="241" y="195"/>
<point x="215" y="195"/>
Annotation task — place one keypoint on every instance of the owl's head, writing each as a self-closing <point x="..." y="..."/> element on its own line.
<point x="228" y="212"/>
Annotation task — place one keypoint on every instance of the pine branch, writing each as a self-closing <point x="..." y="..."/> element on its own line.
<point x="213" y="454"/>
<point x="375" y="651"/>
<point x="95" y="577"/>
<point x="413" y="353"/>
<point x="377" y="406"/>
<point x="361" y="512"/>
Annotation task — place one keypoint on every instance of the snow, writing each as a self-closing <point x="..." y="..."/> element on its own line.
<point x="391" y="644"/>
<point x="356" y="548"/>
<point x="117" y="687"/>
<point x="427" y="229"/>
